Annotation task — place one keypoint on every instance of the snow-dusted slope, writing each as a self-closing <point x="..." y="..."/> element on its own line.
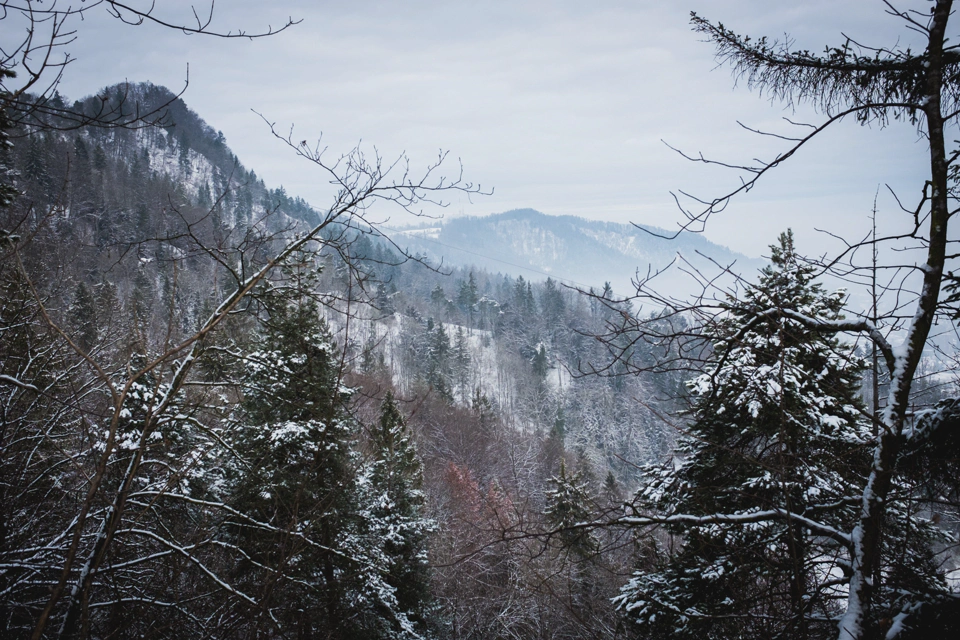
<point x="573" y="250"/>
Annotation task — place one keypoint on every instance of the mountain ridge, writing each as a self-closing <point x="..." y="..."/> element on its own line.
<point x="576" y="251"/>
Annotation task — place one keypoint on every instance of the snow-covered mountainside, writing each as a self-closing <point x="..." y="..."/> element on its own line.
<point x="575" y="251"/>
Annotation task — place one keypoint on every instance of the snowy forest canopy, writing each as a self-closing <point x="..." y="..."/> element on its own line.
<point x="224" y="413"/>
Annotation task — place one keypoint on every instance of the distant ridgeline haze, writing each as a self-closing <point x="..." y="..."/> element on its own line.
<point x="575" y="251"/>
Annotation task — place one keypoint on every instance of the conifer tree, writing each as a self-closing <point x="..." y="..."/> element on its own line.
<point x="438" y="297"/>
<point x="461" y="365"/>
<point x="776" y="426"/>
<point x="468" y="296"/>
<point x="554" y="308"/>
<point x="438" y="372"/>
<point x="204" y="197"/>
<point x="396" y="520"/>
<point x="36" y="172"/>
<point x="84" y="317"/>
<point x="384" y="299"/>
<point x="82" y="196"/>
<point x="341" y="552"/>
<point x="553" y="444"/>
<point x="568" y="505"/>
<point x="99" y="158"/>
<point x="184" y="158"/>
<point x="916" y="83"/>
<point x="540" y="363"/>
<point x="293" y="437"/>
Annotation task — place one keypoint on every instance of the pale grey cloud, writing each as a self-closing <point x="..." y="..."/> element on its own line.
<point x="561" y="106"/>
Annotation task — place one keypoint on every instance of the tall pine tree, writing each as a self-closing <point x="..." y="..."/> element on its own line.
<point x="339" y="549"/>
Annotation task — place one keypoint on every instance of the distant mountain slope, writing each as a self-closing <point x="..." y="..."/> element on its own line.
<point x="183" y="148"/>
<point x="577" y="251"/>
<point x="194" y="157"/>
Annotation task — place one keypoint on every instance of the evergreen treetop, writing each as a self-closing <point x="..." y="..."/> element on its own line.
<point x="777" y="425"/>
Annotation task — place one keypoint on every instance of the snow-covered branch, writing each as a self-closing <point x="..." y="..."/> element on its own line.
<point x="741" y="518"/>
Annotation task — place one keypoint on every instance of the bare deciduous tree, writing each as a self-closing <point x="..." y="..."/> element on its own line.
<point x="35" y="49"/>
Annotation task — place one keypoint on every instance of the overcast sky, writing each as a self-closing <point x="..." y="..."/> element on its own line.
<point x="559" y="106"/>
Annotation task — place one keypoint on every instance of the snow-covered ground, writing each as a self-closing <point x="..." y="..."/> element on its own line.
<point x="491" y="370"/>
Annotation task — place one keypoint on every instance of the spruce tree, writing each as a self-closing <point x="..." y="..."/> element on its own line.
<point x="82" y="196"/>
<point x="776" y="425"/>
<point x="461" y="366"/>
<point x="468" y="296"/>
<point x="395" y="512"/>
<point x="339" y="553"/>
<point x="438" y="298"/>
<point x="540" y="363"/>
<point x="36" y="172"/>
<point x="554" y="309"/>
<point x="83" y="313"/>
<point x="568" y="505"/>
<point x="293" y="437"/>
<point x="438" y="371"/>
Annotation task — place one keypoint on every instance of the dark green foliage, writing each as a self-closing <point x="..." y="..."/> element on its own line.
<point x="397" y="499"/>
<point x="568" y="509"/>
<point x="438" y="297"/>
<point x="99" y="159"/>
<point x="553" y="306"/>
<point x="540" y="363"/>
<point x="438" y="365"/>
<point x="461" y="369"/>
<point x="776" y="426"/>
<point x="468" y="296"/>
<point x="345" y="553"/>
<point x="36" y="174"/>
<point x="82" y="189"/>
<point x="293" y="437"/>
<point x="84" y="317"/>
<point x="183" y="144"/>
<point x="384" y="299"/>
<point x="523" y="299"/>
<point x="203" y="195"/>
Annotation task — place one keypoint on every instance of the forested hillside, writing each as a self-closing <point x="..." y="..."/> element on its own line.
<point x="363" y="442"/>
<point x="229" y="413"/>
